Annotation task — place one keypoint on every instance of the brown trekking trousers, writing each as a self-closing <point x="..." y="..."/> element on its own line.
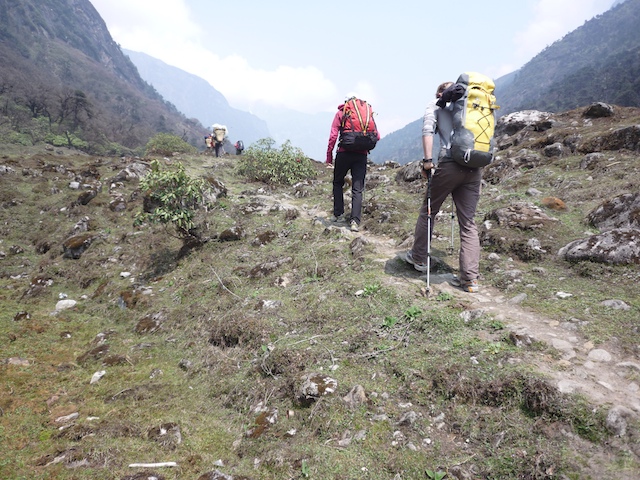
<point x="464" y="186"/>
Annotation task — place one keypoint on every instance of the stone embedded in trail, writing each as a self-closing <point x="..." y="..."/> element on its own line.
<point x="618" y="419"/>
<point x="599" y="355"/>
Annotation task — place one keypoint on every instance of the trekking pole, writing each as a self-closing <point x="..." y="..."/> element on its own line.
<point x="428" y="231"/>
<point x="451" y="247"/>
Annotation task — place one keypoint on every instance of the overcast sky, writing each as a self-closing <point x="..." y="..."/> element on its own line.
<point x="307" y="55"/>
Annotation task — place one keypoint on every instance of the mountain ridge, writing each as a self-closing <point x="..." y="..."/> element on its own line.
<point x="196" y="98"/>
<point x="65" y="81"/>
<point x="598" y="61"/>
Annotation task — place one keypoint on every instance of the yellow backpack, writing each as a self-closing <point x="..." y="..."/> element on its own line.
<point x="474" y="121"/>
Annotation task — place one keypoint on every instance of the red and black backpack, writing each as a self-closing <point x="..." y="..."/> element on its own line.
<point x="358" y="131"/>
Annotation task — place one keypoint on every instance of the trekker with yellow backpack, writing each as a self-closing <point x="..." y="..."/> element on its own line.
<point x="356" y="129"/>
<point x="463" y="115"/>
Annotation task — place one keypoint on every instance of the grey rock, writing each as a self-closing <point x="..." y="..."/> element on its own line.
<point x="617" y="420"/>
<point x="618" y="246"/>
<point x="599" y="355"/>
<point x="616" y="305"/>
<point x="598" y="110"/>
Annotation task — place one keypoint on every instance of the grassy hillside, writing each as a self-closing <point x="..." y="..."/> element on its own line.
<point x="64" y="81"/>
<point x="200" y="356"/>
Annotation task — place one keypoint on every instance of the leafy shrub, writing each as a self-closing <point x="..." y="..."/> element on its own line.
<point x="166" y="144"/>
<point x="68" y="140"/>
<point x="287" y="165"/>
<point x="170" y="197"/>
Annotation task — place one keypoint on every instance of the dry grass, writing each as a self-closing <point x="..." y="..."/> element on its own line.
<point x="200" y="342"/>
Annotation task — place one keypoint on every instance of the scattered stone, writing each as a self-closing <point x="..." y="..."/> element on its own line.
<point x="564" y="295"/>
<point x="97" y="376"/>
<point x="631" y="365"/>
<point x="167" y="434"/>
<point x="598" y="110"/>
<point x="355" y="397"/>
<point x="267" y="416"/>
<point x="22" y="315"/>
<point x="618" y="212"/>
<point x="18" y="362"/>
<point x="617" y="420"/>
<point x="185" y="364"/>
<point x="75" y="246"/>
<point x="617" y="246"/>
<point x="518" y="299"/>
<point x="232" y="234"/>
<point x="471" y="315"/>
<point x="599" y="355"/>
<point x="65" y="305"/>
<point x="408" y="419"/>
<point x="316" y="385"/>
<point x="67" y="418"/>
<point x="616" y="305"/>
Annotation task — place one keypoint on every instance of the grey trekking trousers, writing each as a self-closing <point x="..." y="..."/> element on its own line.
<point x="464" y="186"/>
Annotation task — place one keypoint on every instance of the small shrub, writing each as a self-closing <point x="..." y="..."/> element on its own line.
<point x="166" y="144"/>
<point x="171" y="197"/>
<point x="287" y="165"/>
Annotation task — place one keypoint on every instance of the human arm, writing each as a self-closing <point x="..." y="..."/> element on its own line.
<point x="333" y="135"/>
<point x="429" y="126"/>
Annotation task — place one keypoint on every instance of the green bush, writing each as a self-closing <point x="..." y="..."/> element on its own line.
<point x="263" y="163"/>
<point x="167" y="144"/>
<point x="171" y="197"/>
<point x="68" y="140"/>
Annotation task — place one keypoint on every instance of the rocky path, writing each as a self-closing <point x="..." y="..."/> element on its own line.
<point x="573" y="364"/>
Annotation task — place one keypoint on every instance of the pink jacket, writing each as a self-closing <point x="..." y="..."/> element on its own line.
<point x="335" y="133"/>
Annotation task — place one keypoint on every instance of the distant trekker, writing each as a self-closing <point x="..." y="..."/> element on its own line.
<point x="239" y="147"/>
<point x="219" y="133"/>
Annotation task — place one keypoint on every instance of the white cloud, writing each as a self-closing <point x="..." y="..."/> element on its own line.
<point x="164" y="30"/>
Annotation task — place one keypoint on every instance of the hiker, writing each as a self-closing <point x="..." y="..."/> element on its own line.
<point x="219" y="133"/>
<point x="209" y="144"/>
<point x="239" y="147"/>
<point x="347" y="159"/>
<point x="449" y="177"/>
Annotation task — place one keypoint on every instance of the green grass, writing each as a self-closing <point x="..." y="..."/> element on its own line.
<point x="409" y="352"/>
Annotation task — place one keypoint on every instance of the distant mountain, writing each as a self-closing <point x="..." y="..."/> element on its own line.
<point x="63" y="77"/>
<point x="196" y="98"/>
<point x="310" y="132"/>
<point x="402" y="146"/>
<point x="599" y="61"/>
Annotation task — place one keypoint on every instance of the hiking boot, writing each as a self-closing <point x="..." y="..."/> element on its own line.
<point x="421" y="267"/>
<point x="471" y="286"/>
<point x="354" y="226"/>
<point x="339" y="218"/>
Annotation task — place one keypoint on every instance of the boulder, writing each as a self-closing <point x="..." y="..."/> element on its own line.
<point x="622" y="211"/>
<point x="617" y="246"/>
<point x="531" y="119"/>
<point x="598" y="110"/>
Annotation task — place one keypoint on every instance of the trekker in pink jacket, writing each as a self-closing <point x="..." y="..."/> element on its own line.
<point x="345" y="161"/>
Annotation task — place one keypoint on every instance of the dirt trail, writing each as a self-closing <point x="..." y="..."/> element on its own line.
<point x="601" y="374"/>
